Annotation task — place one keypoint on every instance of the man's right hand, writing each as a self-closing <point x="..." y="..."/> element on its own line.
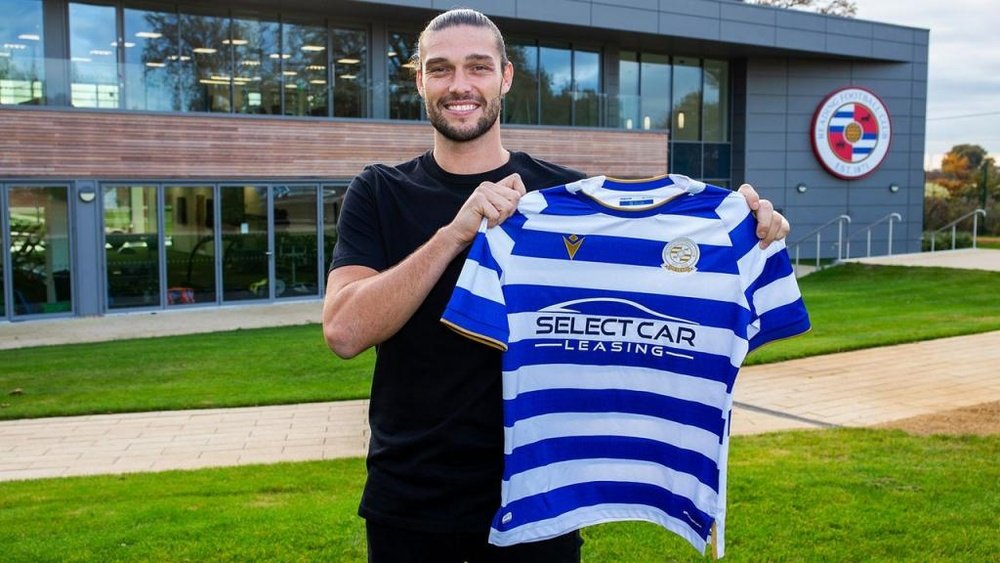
<point x="496" y="201"/>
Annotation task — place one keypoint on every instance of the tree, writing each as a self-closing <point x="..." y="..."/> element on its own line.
<point x="844" y="8"/>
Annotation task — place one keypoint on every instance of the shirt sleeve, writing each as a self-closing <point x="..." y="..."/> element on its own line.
<point x="777" y="309"/>
<point x="360" y="240"/>
<point x="477" y="308"/>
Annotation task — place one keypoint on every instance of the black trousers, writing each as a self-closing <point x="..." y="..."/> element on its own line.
<point x="387" y="544"/>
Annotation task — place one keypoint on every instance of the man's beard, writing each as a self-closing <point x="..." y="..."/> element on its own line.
<point x="491" y="111"/>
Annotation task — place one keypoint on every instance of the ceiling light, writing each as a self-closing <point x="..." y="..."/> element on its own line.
<point x="153" y="64"/>
<point x="391" y="54"/>
<point x="281" y="56"/>
<point x="313" y="48"/>
<point x="14" y="46"/>
<point x="410" y="65"/>
<point x="316" y="67"/>
<point x="100" y="53"/>
<point x="128" y="44"/>
<point x="29" y="37"/>
<point x="148" y="35"/>
<point x="5" y="54"/>
<point x="80" y="59"/>
<point x="220" y="77"/>
<point x="292" y="86"/>
<point x="290" y="73"/>
<point x="319" y="82"/>
<point x="348" y="61"/>
<point x="348" y="76"/>
<point x="250" y="63"/>
<point x="204" y="50"/>
<point x="235" y="42"/>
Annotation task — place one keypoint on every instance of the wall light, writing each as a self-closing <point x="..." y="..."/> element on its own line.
<point x="893" y="188"/>
<point x="87" y="195"/>
<point x="801" y="188"/>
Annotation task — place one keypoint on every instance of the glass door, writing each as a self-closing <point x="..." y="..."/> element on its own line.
<point x="246" y="249"/>
<point x="296" y="256"/>
<point x="38" y="219"/>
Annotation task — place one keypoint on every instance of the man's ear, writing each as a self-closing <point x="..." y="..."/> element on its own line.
<point x="419" y="77"/>
<point x="508" y="78"/>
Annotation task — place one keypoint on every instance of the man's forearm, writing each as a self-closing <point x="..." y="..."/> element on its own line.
<point x="359" y="313"/>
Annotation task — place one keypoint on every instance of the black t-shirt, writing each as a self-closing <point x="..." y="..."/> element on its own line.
<point x="436" y="453"/>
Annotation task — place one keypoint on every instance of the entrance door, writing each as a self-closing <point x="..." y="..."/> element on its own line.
<point x="246" y="249"/>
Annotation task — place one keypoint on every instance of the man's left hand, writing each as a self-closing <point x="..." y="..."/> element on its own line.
<point x="771" y="225"/>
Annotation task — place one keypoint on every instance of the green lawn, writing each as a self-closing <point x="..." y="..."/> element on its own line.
<point x="832" y="495"/>
<point x="851" y="306"/>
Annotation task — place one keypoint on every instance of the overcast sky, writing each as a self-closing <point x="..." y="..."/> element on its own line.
<point x="964" y="74"/>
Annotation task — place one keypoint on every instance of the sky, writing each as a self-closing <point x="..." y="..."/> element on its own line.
<point x="963" y="90"/>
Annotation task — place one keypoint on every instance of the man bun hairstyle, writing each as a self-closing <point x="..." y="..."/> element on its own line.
<point x="458" y="17"/>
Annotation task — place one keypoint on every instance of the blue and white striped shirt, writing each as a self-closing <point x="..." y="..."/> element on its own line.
<point x="625" y="310"/>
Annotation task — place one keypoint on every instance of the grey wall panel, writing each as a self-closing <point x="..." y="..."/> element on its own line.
<point x="854" y="28"/>
<point x="895" y="33"/>
<point x="86" y="228"/>
<point x="705" y="8"/>
<point x="793" y="19"/>
<point x="886" y="88"/>
<point x="677" y="24"/>
<point x="804" y="40"/>
<point x="631" y="19"/>
<point x="749" y="33"/>
<point x="757" y="142"/>
<point x="653" y="5"/>
<point x="814" y="86"/>
<point x="807" y="68"/>
<point x="765" y="160"/>
<point x="767" y="67"/>
<point x="766" y="123"/>
<point x="748" y="14"/>
<point x="768" y="180"/>
<point x="770" y="104"/>
<point x="891" y="49"/>
<point x="901" y="71"/>
<point x="561" y="11"/>
<point x="766" y="88"/>
<point x="503" y="8"/>
<point x="848" y="45"/>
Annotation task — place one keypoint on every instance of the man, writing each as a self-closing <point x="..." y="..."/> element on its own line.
<point x="434" y="464"/>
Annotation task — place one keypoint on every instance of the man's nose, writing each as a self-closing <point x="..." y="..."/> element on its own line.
<point x="460" y="83"/>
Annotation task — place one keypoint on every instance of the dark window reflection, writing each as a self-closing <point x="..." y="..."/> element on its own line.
<point x="153" y="64"/>
<point x="521" y="102"/>
<point x="687" y="100"/>
<point x="295" y="245"/>
<point x="304" y="69"/>
<point x="628" y="90"/>
<point x="587" y="88"/>
<point x="655" y="91"/>
<point x="203" y="63"/>
<point x="717" y="160"/>
<point x="333" y="198"/>
<point x="189" y="231"/>
<point x="716" y="101"/>
<point x="256" y="66"/>
<point x="685" y="158"/>
<point x="244" y="243"/>
<point x="131" y="246"/>
<point x="350" y="73"/>
<point x="39" y="250"/>
<point x="555" y="78"/>
<point x="93" y="48"/>
<point x="22" y="54"/>
<point x="404" y="100"/>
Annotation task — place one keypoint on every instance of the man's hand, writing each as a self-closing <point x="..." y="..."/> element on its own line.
<point x="771" y="225"/>
<point x="494" y="201"/>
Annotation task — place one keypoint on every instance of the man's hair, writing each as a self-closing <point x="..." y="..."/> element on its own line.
<point x="458" y="17"/>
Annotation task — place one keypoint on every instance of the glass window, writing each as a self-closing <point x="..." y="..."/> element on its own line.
<point x="687" y="100"/>
<point x="244" y="243"/>
<point x="257" y="66"/>
<point x="685" y="158"/>
<point x="189" y="240"/>
<point x="350" y="73"/>
<point x="204" y="70"/>
<point x="586" y="94"/>
<point x="333" y="198"/>
<point x="521" y="102"/>
<point x="305" y="69"/>
<point x="628" y="90"/>
<point x="93" y="49"/>
<point x="296" y="263"/>
<point x="131" y="246"/>
<point x="555" y="77"/>
<point x="717" y="161"/>
<point x="716" y="101"/>
<point x="404" y="100"/>
<point x="40" y="249"/>
<point x="153" y="64"/>
<point x="22" y="55"/>
<point x="654" y="76"/>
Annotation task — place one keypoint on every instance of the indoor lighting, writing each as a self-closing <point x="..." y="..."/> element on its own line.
<point x="316" y="67"/>
<point x="181" y="58"/>
<point x="391" y="54"/>
<point x="647" y="122"/>
<point x="4" y="54"/>
<point x="220" y="77"/>
<point x="348" y="61"/>
<point x="80" y="59"/>
<point x="277" y="56"/>
<point x="410" y="65"/>
<point x="100" y="53"/>
<point x="291" y="86"/>
<point x="319" y="82"/>
<point x="348" y="76"/>
<point x="204" y="50"/>
<point x="250" y="63"/>
<point x="216" y="82"/>
<point x="128" y="44"/>
<point x="14" y="46"/>
<point x="153" y="64"/>
<point x="290" y="73"/>
<point x="235" y="42"/>
<point x="313" y="48"/>
<point x="148" y="35"/>
<point x="29" y="37"/>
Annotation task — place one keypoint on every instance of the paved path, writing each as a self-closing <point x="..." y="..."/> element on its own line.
<point x="860" y="388"/>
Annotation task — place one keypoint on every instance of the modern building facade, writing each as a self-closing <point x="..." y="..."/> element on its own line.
<point x="191" y="154"/>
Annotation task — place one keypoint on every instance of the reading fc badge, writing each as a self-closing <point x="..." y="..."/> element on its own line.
<point x="851" y="132"/>
<point x="681" y="255"/>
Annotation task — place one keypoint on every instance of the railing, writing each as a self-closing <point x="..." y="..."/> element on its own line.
<point x="890" y="218"/>
<point x="975" y="227"/>
<point x="818" y="232"/>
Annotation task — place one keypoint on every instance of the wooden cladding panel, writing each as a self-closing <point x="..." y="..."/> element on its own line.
<point x="80" y="144"/>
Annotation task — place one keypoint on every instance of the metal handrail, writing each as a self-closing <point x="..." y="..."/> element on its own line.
<point x="890" y="217"/>
<point x="975" y="227"/>
<point x="840" y="220"/>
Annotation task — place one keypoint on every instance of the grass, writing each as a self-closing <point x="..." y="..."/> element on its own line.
<point x="852" y="306"/>
<point x="832" y="495"/>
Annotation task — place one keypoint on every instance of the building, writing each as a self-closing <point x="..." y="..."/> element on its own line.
<point x="162" y="155"/>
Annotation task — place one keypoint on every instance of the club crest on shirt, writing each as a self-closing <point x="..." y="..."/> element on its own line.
<point x="572" y="243"/>
<point x="681" y="255"/>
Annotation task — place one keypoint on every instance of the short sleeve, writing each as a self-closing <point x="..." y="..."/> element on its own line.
<point x="359" y="236"/>
<point x="477" y="308"/>
<point x="777" y="309"/>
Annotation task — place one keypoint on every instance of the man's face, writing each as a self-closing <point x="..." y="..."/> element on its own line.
<point x="462" y="81"/>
